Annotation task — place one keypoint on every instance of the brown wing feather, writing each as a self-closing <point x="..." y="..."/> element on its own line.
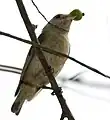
<point x="25" y="67"/>
<point x="28" y="60"/>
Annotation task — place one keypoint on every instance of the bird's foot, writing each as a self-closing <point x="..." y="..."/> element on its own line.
<point x="58" y="91"/>
<point x="50" y="69"/>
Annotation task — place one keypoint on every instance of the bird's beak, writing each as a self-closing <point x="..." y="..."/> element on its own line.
<point x="75" y="15"/>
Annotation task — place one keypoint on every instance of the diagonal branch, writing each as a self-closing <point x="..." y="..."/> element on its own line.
<point x="39" y="11"/>
<point x="55" y="53"/>
<point x="38" y="52"/>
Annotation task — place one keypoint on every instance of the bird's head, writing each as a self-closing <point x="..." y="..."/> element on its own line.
<point x="62" y="22"/>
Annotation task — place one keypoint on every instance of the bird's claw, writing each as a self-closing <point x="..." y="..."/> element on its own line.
<point x="50" y="69"/>
<point x="59" y="91"/>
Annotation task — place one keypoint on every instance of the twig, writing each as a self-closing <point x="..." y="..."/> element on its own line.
<point x="74" y="78"/>
<point x="46" y="18"/>
<point x="39" y="11"/>
<point x="6" y="66"/>
<point x="38" y="52"/>
<point x="12" y="71"/>
<point x="55" y="53"/>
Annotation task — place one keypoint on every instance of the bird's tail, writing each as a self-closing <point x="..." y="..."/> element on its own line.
<point x="26" y="92"/>
<point x="17" y="105"/>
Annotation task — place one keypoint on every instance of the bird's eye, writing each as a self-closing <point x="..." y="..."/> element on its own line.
<point x="58" y="16"/>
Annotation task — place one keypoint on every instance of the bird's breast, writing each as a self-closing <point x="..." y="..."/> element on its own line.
<point x="35" y="73"/>
<point x="60" y="43"/>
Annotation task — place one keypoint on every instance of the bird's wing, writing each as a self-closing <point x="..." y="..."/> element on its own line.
<point x="27" y="62"/>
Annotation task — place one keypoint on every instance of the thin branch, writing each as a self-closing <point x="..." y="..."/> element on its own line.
<point x="46" y="18"/>
<point x="39" y="11"/>
<point x="74" y="78"/>
<point x="6" y="66"/>
<point x="12" y="36"/>
<point x="55" y="53"/>
<point x="12" y="71"/>
<point x="39" y="53"/>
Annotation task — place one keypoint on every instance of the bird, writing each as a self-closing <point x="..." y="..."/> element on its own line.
<point x="54" y="36"/>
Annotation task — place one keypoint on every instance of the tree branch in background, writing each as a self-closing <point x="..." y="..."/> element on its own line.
<point x="39" y="11"/>
<point x="11" y="69"/>
<point x="6" y="66"/>
<point x="38" y="51"/>
<point x="55" y="53"/>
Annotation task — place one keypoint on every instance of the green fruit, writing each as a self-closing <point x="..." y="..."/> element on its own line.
<point x="76" y="13"/>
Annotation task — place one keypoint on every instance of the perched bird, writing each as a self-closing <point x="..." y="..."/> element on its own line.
<point x="55" y="36"/>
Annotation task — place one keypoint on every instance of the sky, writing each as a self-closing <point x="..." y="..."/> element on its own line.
<point x="89" y="40"/>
